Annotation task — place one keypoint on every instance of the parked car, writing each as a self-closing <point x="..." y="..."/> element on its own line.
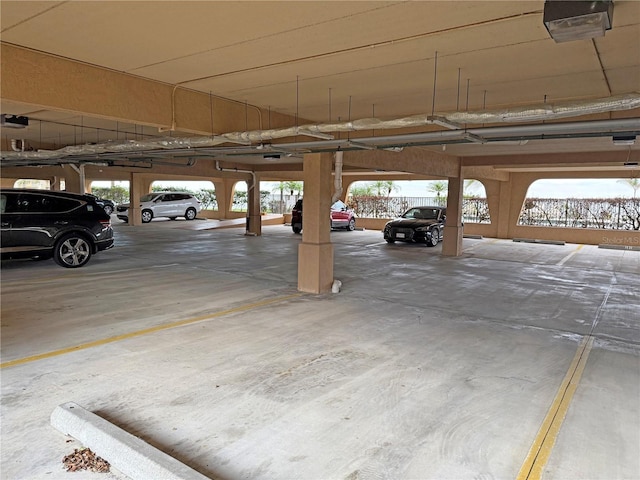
<point x="41" y="223"/>
<point x="164" y="204"/>
<point x="418" y="224"/>
<point x="107" y="205"/>
<point x="341" y="217"/>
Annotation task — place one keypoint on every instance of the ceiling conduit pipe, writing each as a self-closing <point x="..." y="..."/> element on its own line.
<point x="252" y="173"/>
<point x="337" y="180"/>
<point x="14" y="145"/>
<point x="451" y="120"/>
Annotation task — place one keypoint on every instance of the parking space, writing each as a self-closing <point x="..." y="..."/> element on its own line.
<point x="423" y="366"/>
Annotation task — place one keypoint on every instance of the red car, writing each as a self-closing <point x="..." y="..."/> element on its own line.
<point x="341" y="217"/>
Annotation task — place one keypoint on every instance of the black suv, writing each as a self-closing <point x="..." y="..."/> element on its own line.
<point x="42" y="223"/>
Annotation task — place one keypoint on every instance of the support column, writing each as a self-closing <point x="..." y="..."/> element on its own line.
<point x="54" y="183"/>
<point x="72" y="182"/>
<point x="222" y="197"/>
<point x="8" y="182"/>
<point x="138" y="186"/>
<point x="315" y="253"/>
<point x="254" y="227"/>
<point x="452" y="243"/>
<point x="519" y="184"/>
<point x="492" y="189"/>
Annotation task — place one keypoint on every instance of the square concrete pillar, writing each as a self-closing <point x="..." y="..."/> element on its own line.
<point x="72" y="181"/>
<point x="315" y="253"/>
<point x="452" y="243"/>
<point x="254" y="227"/>
<point x="136" y="190"/>
<point x="315" y="267"/>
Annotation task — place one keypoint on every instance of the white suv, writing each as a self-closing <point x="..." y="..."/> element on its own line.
<point x="164" y="204"/>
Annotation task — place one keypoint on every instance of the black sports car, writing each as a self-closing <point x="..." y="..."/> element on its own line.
<point x="418" y="224"/>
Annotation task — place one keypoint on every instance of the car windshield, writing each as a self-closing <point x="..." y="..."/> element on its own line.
<point x="339" y="206"/>
<point x="422" y="213"/>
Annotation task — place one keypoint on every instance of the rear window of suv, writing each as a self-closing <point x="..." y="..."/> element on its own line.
<point x="33" y="203"/>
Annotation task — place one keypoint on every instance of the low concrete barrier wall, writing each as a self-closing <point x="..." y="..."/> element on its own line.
<point x="589" y="236"/>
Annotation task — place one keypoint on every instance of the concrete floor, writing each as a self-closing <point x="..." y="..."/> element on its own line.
<point x="423" y="367"/>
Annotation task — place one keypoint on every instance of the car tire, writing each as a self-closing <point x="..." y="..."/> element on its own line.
<point x="190" y="214"/>
<point x="390" y="240"/>
<point x="352" y="225"/>
<point x="147" y="216"/>
<point x="434" y="238"/>
<point x="108" y="209"/>
<point x="296" y="229"/>
<point x="72" y="251"/>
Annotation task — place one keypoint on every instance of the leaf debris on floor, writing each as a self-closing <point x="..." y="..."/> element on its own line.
<point x="85" y="459"/>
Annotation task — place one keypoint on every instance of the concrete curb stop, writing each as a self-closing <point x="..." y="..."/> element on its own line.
<point x="618" y="247"/>
<point x="125" y="452"/>
<point x="536" y="240"/>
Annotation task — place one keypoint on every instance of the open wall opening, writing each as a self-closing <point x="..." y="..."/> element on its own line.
<point x="389" y="199"/>
<point x="204" y="191"/>
<point x="583" y="203"/>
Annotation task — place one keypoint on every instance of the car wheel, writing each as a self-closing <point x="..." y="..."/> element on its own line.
<point x="296" y="228"/>
<point x="390" y="240"/>
<point x="147" y="215"/>
<point x="72" y="251"/>
<point x="190" y="214"/>
<point x="352" y="225"/>
<point x="108" y="209"/>
<point x="434" y="238"/>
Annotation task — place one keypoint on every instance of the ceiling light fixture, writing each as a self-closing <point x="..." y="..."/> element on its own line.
<point x="621" y="140"/>
<point x="443" y="122"/>
<point x="473" y="138"/>
<point x="320" y="135"/>
<point x="577" y="19"/>
<point x="363" y="146"/>
<point x="13" y="121"/>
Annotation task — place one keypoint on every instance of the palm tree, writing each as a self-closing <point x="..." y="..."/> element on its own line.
<point x="384" y="187"/>
<point x="633" y="183"/>
<point x="360" y="189"/>
<point x="294" y="186"/>
<point x="438" y="188"/>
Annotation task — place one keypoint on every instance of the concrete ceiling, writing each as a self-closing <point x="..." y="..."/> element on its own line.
<point x="324" y="61"/>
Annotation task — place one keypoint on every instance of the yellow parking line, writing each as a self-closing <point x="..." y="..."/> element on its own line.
<point x="543" y="444"/>
<point x="146" y="331"/>
<point x="565" y="259"/>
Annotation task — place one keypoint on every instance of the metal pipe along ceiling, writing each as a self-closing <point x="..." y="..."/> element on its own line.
<point x="452" y="120"/>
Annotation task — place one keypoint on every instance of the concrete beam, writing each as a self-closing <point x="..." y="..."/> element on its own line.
<point x="565" y="159"/>
<point x="484" y="172"/>
<point x="49" y="82"/>
<point x="413" y="160"/>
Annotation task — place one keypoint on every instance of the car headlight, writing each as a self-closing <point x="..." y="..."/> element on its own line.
<point x="422" y="229"/>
